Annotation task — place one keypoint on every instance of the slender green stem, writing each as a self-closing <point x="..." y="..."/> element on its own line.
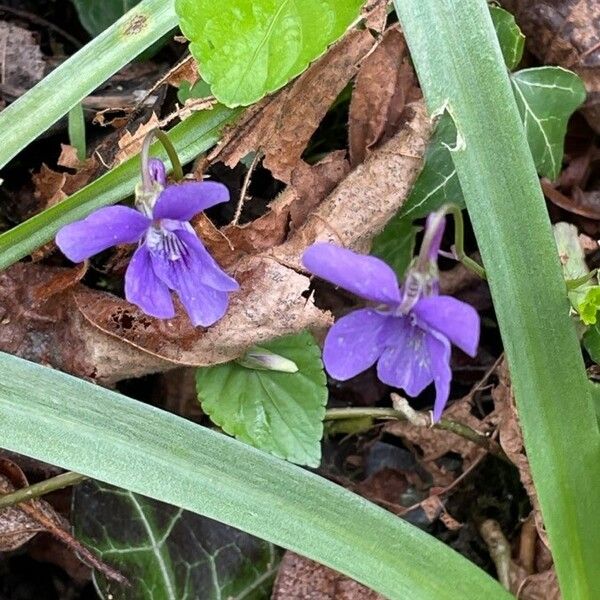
<point x="462" y="72"/>
<point x="464" y="431"/>
<point x="459" y="241"/>
<point x="77" y="130"/>
<point x="40" y="489"/>
<point x="573" y="284"/>
<point x="163" y="138"/>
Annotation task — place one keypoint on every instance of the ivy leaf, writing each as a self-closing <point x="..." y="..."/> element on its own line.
<point x="97" y="16"/>
<point x="167" y="553"/>
<point x="510" y="36"/>
<point x="249" y="48"/>
<point x="547" y="97"/>
<point x="281" y="413"/>
<point x="396" y="244"/>
<point x="437" y="184"/>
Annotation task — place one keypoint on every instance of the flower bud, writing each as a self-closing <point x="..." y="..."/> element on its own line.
<point x="264" y="360"/>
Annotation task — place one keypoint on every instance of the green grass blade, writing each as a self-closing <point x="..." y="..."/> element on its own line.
<point x="461" y="69"/>
<point x="190" y="138"/>
<point x="34" y="112"/>
<point x="83" y="427"/>
<point x="77" y="130"/>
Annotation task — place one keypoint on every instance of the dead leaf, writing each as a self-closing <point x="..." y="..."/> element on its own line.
<point x="361" y="205"/>
<point x="281" y="126"/>
<point x="21" y="61"/>
<point x="312" y="183"/>
<point x="511" y="441"/>
<point x="565" y="33"/>
<point x="185" y="71"/>
<point x="269" y="305"/>
<point x="131" y="143"/>
<point x="299" y="578"/>
<point x="382" y="87"/>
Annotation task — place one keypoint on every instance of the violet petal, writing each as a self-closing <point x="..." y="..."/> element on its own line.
<point x="353" y="343"/>
<point x="439" y="356"/>
<point x="365" y="276"/>
<point x="181" y="202"/>
<point x="405" y="363"/>
<point x="158" y="173"/>
<point x="204" y="265"/>
<point x="204" y="304"/>
<point x="456" y="320"/>
<point x="100" y="230"/>
<point x="144" y="289"/>
<point x="433" y="220"/>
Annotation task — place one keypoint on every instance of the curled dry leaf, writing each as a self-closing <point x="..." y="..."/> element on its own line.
<point x="565" y="33"/>
<point x="511" y="440"/>
<point x="131" y="143"/>
<point x="269" y="305"/>
<point x="384" y="83"/>
<point x="361" y="205"/>
<point x="20" y="523"/>
<point x="300" y="579"/>
<point x="281" y="126"/>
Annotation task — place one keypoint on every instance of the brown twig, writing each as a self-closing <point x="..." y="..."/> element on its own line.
<point x="246" y="184"/>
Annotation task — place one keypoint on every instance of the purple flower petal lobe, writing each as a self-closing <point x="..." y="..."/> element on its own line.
<point x="353" y="343"/>
<point x="181" y="202"/>
<point x="204" y="265"/>
<point x="439" y="356"/>
<point x="365" y="276"/>
<point x="100" y="230"/>
<point x="158" y="173"/>
<point x="406" y="363"/>
<point x="145" y="289"/>
<point x="456" y="320"/>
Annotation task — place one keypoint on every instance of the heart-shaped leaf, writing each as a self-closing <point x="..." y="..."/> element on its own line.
<point x="249" y="48"/>
<point x="281" y="413"/>
<point x="512" y="40"/>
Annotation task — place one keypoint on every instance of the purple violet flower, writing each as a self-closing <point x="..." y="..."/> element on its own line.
<point x="169" y="255"/>
<point x="409" y="331"/>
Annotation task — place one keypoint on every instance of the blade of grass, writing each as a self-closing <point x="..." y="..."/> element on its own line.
<point x="34" y="112"/>
<point x="190" y="138"/>
<point x="77" y="130"/>
<point x="83" y="427"/>
<point x="461" y="69"/>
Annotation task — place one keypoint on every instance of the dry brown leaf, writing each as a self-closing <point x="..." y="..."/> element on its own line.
<point x="383" y="85"/>
<point x="269" y="305"/>
<point x="282" y="125"/>
<point x="185" y="71"/>
<point x="511" y="440"/>
<point x="361" y="205"/>
<point x="131" y="143"/>
<point x="39" y="321"/>
<point x="21" y="60"/>
<point x="312" y="183"/>
<point x="299" y="578"/>
<point x="565" y="33"/>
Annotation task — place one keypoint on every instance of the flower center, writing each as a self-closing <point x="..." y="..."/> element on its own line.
<point x="164" y="242"/>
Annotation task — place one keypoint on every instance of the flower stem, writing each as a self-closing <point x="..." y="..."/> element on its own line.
<point x="163" y="138"/>
<point x="39" y="489"/>
<point x="338" y="414"/>
<point x="459" y="240"/>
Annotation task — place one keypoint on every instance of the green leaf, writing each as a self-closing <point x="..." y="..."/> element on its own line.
<point x="547" y="97"/>
<point x="281" y="413"/>
<point x="589" y="305"/>
<point x="396" y="244"/>
<point x="54" y="96"/>
<point x="200" y="89"/>
<point x="437" y="184"/>
<point x="85" y="428"/>
<point x="196" y="134"/>
<point x="461" y="68"/>
<point x="249" y="48"/>
<point x="591" y="342"/>
<point x="97" y="16"/>
<point x="510" y="36"/>
<point x="168" y="553"/>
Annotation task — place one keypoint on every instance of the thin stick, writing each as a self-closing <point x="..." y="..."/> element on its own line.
<point x="39" y="489"/>
<point x="240" y="206"/>
<point x="336" y="414"/>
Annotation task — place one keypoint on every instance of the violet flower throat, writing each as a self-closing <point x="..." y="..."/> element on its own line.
<point x="169" y="256"/>
<point x="409" y="330"/>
